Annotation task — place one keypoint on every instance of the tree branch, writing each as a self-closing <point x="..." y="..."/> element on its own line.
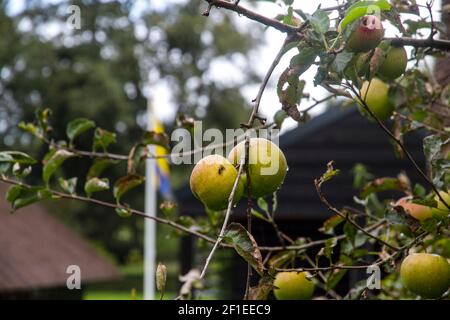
<point x="443" y="45"/>
<point x="252" y="15"/>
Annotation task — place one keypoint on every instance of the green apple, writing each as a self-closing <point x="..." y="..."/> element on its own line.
<point x="376" y="95"/>
<point x="418" y="211"/>
<point x="267" y="166"/>
<point x="427" y="275"/>
<point x="394" y="64"/>
<point x="212" y="181"/>
<point x="366" y="36"/>
<point x="293" y="286"/>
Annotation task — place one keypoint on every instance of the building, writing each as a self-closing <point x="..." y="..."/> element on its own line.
<point x="340" y="135"/>
<point x="35" y="251"/>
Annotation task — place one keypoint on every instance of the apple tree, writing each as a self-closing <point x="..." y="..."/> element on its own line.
<point x="356" y="63"/>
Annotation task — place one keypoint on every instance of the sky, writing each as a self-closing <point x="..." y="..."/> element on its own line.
<point x="222" y="71"/>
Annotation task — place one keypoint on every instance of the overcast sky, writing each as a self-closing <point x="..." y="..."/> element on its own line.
<point x="223" y="71"/>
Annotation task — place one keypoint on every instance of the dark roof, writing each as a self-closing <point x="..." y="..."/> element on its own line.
<point x="342" y="135"/>
<point x="36" y="249"/>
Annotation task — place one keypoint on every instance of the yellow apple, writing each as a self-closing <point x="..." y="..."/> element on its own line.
<point x="427" y="275"/>
<point x="375" y="94"/>
<point x="212" y="181"/>
<point x="267" y="165"/>
<point x="293" y="286"/>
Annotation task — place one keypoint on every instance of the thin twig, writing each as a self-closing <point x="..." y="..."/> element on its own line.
<point x="399" y="143"/>
<point x="227" y="217"/>
<point x="317" y="184"/>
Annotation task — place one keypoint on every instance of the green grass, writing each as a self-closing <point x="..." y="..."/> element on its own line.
<point x="120" y="295"/>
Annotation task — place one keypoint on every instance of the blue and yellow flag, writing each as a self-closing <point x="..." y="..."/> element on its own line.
<point x="162" y="166"/>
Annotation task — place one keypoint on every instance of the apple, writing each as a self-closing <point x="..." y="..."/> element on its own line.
<point x="394" y="64"/>
<point x="418" y="211"/>
<point x="267" y="166"/>
<point x="212" y="180"/>
<point x="366" y="36"/>
<point x="440" y="204"/>
<point x="427" y="275"/>
<point x="375" y="94"/>
<point x="293" y="285"/>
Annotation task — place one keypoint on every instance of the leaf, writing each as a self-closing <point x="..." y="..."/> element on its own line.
<point x="263" y="205"/>
<point x="156" y="138"/>
<point x="68" y="185"/>
<point x="96" y="185"/>
<point x="329" y="174"/>
<point x="102" y="139"/>
<point x="43" y="117"/>
<point x="262" y="290"/>
<point x="350" y="232"/>
<point x="30" y="128"/>
<point x="341" y="61"/>
<point x="161" y="278"/>
<point x="383" y="184"/>
<point x="77" y="127"/>
<point x="327" y="251"/>
<point x="320" y="21"/>
<point x="99" y="166"/>
<point x="54" y="162"/>
<point x="331" y="223"/>
<point x="362" y="8"/>
<point x="125" y="184"/>
<point x="16" y="157"/>
<point x="280" y="259"/>
<point x="124" y="212"/>
<point x="19" y="196"/>
<point x="168" y="208"/>
<point x="137" y="154"/>
<point x="245" y="245"/>
<point x="21" y="171"/>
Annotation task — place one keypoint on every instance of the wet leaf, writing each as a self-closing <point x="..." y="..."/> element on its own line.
<point x="96" y="185"/>
<point x="77" y="127"/>
<point x="125" y="184"/>
<point x="54" y="162"/>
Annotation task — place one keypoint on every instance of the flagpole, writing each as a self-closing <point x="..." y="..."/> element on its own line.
<point x="150" y="209"/>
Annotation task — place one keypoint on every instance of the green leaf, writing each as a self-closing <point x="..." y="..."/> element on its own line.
<point x="363" y="8"/>
<point x="16" y="157"/>
<point x="102" y="139"/>
<point x="329" y="174"/>
<point x="96" y="185"/>
<point x="320" y="21"/>
<point x="258" y="215"/>
<point x="156" y="138"/>
<point x="124" y="212"/>
<point x="245" y="245"/>
<point x="331" y="223"/>
<point x="350" y="232"/>
<point x="77" y="127"/>
<point x="19" y="196"/>
<point x="383" y="184"/>
<point x="21" y="171"/>
<point x="262" y="204"/>
<point x="125" y="184"/>
<point x="99" y="166"/>
<point x="30" y="128"/>
<point x="68" y="185"/>
<point x="43" y="116"/>
<point x="54" y="162"/>
<point x="327" y="251"/>
<point x="341" y="61"/>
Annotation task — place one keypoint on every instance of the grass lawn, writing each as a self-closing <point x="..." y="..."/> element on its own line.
<point x="130" y="287"/>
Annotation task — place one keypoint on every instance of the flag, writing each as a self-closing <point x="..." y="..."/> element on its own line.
<point x="162" y="166"/>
